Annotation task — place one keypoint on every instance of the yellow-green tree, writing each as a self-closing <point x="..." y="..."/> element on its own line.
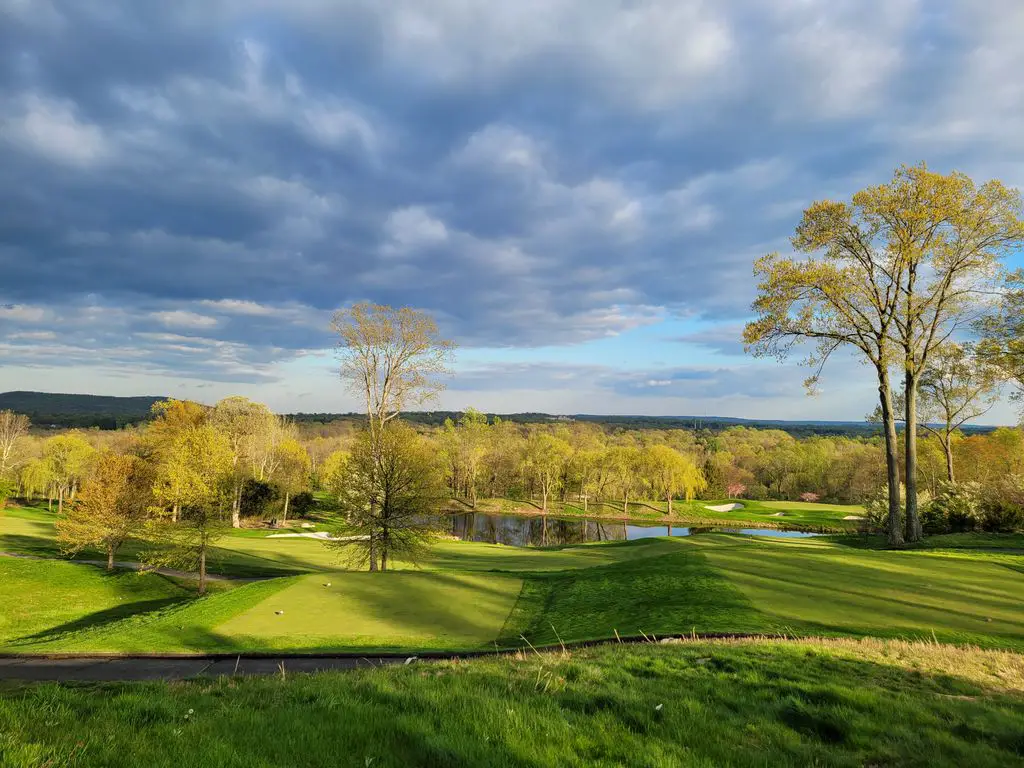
<point x="546" y="457"/>
<point x="842" y="293"/>
<point x="390" y="493"/>
<point x="111" y="507"/>
<point x="671" y="473"/>
<point x="201" y="463"/>
<point x="66" y="458"/>
<point x="292" y="469"/>
<point x="950" y="236"/>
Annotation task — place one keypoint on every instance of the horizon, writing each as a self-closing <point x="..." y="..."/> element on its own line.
<point x="194" y="188"/>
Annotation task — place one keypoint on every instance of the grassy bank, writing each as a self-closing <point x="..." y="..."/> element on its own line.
<point x="752" y="514"/>
<point x="836" y="703"/>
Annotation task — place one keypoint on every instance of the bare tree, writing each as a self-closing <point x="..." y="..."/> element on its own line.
<point x="390" y="357"/>
<point x="13" y="427"/>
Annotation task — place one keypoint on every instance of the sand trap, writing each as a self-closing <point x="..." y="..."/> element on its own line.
<point x="778" y="514"/>
<point x="854" y="517"/>
<point x="317" y="535"/>
<point x="725" y="507"/>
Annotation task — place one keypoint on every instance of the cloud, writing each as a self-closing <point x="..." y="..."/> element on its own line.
<point x="181" y="319"/>
<point x="51" y="128"/>
<point x="534" y="174"/>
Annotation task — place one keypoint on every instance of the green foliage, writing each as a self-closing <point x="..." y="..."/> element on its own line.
<point x="690" y="705"/>
<point x="257" y="496"/>
<point x="954" y="509"/>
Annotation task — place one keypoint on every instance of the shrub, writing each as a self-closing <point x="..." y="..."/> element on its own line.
<point x="257" y="496"/>
<point x="301" y="504"/>
<point x="876" y="508"/>
<point x="955" y="508"/>
<point x="1002" y="506"/>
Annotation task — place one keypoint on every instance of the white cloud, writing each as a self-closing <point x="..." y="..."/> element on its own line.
<point x="52" y="128"/>
<point x="412" y="228"/>
<point x="22" y="313"/>
<point x="183" y="319"/>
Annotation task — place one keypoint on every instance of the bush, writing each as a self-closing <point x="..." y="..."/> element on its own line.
<point x="257" y="496"/>
<point x="955" y="508"/>
<point x="876" y="509"/>
<point x="301" y="504"/>
<point x="1002" y="506"/>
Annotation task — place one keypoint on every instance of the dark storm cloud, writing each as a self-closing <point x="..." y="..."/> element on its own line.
<point x="532" y="173"/>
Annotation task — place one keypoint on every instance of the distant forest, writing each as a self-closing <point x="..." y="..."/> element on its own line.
<point x="63" y="411"/>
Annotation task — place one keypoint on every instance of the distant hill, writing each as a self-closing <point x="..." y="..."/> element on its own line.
<point x="48" y="409"/>
<point x="60" y="410"/>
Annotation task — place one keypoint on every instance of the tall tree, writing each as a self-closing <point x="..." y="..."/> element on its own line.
<point x="546" y="457"/>
<point x="245" y="424"/>
<point x="843" y="294"/>
<point x="950" y="236"/>
<point x="390" y="358"/>
<point x="66" y="456"/>
<point x="390" y="493"/>
<point x="292" y="468"/>
<point x="110" y="508"/>
<point x="203" y="461"/>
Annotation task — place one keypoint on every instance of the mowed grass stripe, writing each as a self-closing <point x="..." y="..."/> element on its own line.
<point x="394" y="608"/>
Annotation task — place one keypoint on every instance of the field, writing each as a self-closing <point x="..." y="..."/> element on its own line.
<point x="881" y="657"/>
<point x="747" y="703"/>
<point x="470" y="596"/>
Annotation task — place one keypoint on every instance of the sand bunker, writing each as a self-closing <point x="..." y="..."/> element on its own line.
<point x="317" y="535"/>
<point x="725" y="507"/>
<point x="854" y="517"/>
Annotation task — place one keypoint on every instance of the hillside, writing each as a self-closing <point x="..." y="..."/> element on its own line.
<point x="67" y="410"/>
<point x="48" y="409"/>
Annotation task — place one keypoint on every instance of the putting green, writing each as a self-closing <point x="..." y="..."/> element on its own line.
<point x="399" y="608"/>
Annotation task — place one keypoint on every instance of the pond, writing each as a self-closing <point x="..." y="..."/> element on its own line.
<point x="540" y="531"/>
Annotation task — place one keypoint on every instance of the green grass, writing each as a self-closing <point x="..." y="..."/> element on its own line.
<point x="708" y="584"/>
<point x="795" y="514"/>
<point x="818" y="587"/>
<point x="390" y="610"/>
<point x="39" y="596"/>
<point x="702" y="704"/>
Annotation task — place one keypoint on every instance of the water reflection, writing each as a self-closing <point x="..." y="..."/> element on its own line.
<point x="544" y="531"/>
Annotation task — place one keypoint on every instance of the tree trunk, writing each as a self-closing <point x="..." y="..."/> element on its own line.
<point x="947" y="446"/>
<point x="383" y="558"/>
<point x="670" y="505"/>
<point x="625" y="506"/>
<point x="913" y="520"/>
<point x="110" y="557"/>
<point x="60" y="501"/>
<point x="284" y="516"/>
<point x="174" y="513"/>
<point x="892" y="470"/>
<point x="202" y="570"/>
<point x="236" y="508"/>
<point x="373" y="551"/>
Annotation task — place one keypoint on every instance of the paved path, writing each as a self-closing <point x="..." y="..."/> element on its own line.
<point x="134" y="566"/>
<point x="128" y="669"/>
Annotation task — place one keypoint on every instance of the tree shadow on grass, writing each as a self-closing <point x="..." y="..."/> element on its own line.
<point x="98" y="620"/>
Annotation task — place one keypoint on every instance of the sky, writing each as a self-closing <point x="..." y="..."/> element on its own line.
<point x="575" y="189"/>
